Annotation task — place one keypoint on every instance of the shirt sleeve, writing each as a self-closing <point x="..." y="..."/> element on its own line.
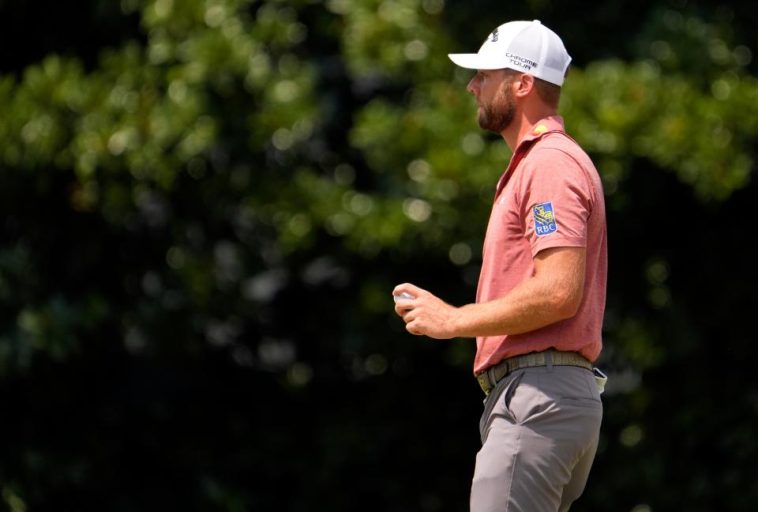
<point x="556" y="200"/>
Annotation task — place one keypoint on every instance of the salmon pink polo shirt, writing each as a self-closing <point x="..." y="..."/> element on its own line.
<point x="549" y="196"/>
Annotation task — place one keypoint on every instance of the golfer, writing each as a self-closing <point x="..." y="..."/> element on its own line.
<point x="541" y="294"/>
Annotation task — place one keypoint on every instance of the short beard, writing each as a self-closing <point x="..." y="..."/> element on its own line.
<point x="498" y="115"/>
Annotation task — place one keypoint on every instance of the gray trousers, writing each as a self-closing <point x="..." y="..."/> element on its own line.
<point x="539" y="432"/>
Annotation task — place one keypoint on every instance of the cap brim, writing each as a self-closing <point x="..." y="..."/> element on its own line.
<point x="475" y="61"/>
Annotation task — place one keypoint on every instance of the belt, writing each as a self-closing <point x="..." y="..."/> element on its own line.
<point x="489" y="378"/>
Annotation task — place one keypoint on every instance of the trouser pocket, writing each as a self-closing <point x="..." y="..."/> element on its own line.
<point x="498" y="402"/>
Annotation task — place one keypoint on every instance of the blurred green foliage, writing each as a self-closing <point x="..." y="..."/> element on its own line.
<point x="202" y="228"/>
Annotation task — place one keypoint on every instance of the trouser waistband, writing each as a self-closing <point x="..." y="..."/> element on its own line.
<point x="489" y="378"/>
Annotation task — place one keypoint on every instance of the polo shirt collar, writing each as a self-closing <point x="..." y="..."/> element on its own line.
<point x="541" y="127"/>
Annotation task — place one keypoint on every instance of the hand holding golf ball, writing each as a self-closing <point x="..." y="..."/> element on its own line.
<point x="423" y="312"/>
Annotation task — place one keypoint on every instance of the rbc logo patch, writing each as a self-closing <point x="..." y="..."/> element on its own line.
<point x="544" y="219"/>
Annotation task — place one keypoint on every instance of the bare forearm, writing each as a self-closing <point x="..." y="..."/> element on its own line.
<point x="530" y="306"/>
<point x="553" y="293"/>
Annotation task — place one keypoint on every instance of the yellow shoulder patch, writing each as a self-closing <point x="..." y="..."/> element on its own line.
<point x="539" y="129"/>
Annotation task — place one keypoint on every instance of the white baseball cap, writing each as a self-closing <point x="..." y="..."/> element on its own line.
<point x="526" y="46"/>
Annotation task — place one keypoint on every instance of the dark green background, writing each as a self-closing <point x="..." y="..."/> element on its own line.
<point x="205" y="205"/>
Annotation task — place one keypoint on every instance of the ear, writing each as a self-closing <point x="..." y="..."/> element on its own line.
<point x="524" y="85"/>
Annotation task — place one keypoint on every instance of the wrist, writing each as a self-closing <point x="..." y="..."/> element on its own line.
<point x="458" y="322"/>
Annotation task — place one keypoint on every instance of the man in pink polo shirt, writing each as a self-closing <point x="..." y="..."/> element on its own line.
<point x="541" y="295"/>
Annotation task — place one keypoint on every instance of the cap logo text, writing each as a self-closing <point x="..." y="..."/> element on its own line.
<point x="521" y="62"/>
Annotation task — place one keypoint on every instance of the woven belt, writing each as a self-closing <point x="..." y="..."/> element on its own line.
<point x="489" y="378"/>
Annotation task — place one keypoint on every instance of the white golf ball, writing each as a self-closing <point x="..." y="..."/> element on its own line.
<point x="403" y="296"/>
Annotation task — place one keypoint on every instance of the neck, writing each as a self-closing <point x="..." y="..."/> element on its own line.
<point x="523" y="123"/>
